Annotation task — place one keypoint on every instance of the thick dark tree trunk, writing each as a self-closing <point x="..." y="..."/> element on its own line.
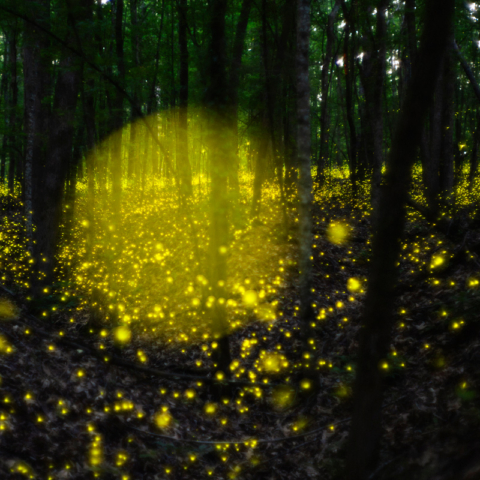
<point x="373" y="78"/>
<point x="220" y="153"/>
<point x="375" y="336"/>
<point x="36" y="76"/>
<point x="431" y="166"/>
<point x="60" y="141"/>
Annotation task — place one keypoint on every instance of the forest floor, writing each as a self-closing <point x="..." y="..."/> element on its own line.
<point x="66" y="414"/>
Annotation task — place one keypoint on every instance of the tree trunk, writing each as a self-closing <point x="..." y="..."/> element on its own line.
<point x="117" y="109"/>
<point x="375" y="336"/>
<point x="432" y="164"/>
<point x="410" y="48"/>
<point x="60" y="141"/>
<point x="184" y="170"/>
<point x="349" y="64"/>
<point x="448" y="119"/>
<point x="234" y="80"/>
<point x="4" y="96"/>
<point x="35" y="71"/>
<point x="133" y="145"/>
<point x="13" y="147"/>
<point x="325" y="83"/>
<point x="220" y="153"/>
<point x="373" y="79"/>
<point x="304" y="163"/>
<point x="474" y="155"/>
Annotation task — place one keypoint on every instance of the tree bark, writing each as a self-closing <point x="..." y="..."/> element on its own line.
<point x="13" y="148"/>
<point x="117" y="109"/>
<point x="35" y="71"/>
<point x="373" y="78"/>
<point x="59" y="153"/>
<point x="220" y="153"/>
<point x="349" y="64"/>
<point x="234" y="81"/>
<point x="183" y="164"/>
<point x="377" y="319"/>
<point x="474" y="154"/>
<point x="325" y="83"/>
<point x="304" y="163"/>
<point x="448" y="119"/>
<point x="431" y="166"/>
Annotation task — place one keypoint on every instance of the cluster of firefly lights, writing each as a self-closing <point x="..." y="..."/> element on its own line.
<point x="153" y="247"/>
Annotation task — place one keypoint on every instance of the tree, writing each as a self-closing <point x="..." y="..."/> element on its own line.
<point x="220" y="153"/>
<point x="183" y="164"/>
<point x="304" y="162"/>
<point x="60" y="141"/>
<point x="378" y="311"/>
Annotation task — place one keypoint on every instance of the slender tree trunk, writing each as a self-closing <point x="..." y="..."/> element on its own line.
<point x="117" y="110"/>
<point x="234" y="81"/>
<point x="448" y="119"/>
<point x="152" y="96"/>
<point x="459" y="137"/>
<point x="375" y="336"/>
<point x="183" y="164"/>
<point x="304" y="163"/>
<point x="474" y="154"/>
<point x="13" y="147"/>
<point x="4" y="96"/>
<point x="290" y="139"/>
<point x="349" y="63"/>
<point x="89" y="118"/>
<point x="133" y="144"/>
<point x="410" y="46"/>
<point x="260" y="167"/>
<point x="325" y="84"/>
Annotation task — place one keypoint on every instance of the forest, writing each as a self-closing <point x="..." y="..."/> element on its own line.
<point x="239" y="239"/>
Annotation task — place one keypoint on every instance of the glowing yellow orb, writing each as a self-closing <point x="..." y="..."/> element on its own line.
<point x="437" y="261"/>
<point x="272" y="362"/>
<point x="163" y="420"/>
<point x="353" y="284"/>
<point x="337" y="233"/>
<point x="250" y="298"/>
<point x="305" y="384"/>
<point x="210" y="408"/>
<point x="122" y="334"/>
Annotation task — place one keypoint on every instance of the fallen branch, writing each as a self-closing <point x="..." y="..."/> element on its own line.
<point x="316" y="431"/>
